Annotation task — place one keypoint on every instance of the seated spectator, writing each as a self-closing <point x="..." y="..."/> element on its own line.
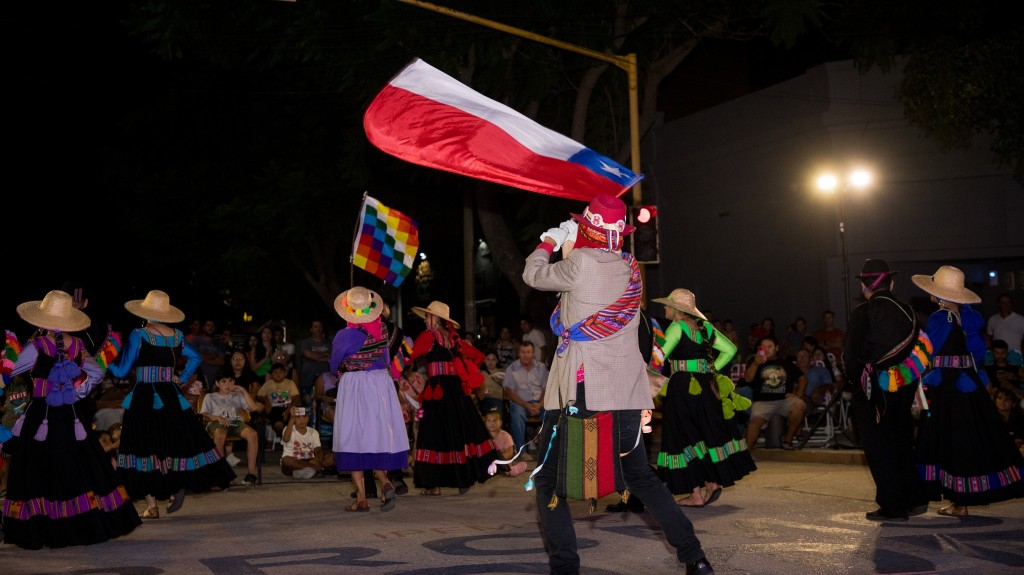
<point x="1009" y="408"/>
<point x="278" y="395"/>
<point x="819" y="379"/>
<point x="525" y="383"/>
<point x="778" y="390"/>
<point x="108" y="404"/>
<point x="303" y="457"/>
<point x="506" y="347"/>
<point x="1001" y="373"/>
<point x="221" y="414"/>
<point x="491" y="395"/>
<point x="503" y="443"/>
<point x="795" y="334"/>
<point x="115" y="436"/>
<point x="325" y="393"/>
<point x="831" y="337"/>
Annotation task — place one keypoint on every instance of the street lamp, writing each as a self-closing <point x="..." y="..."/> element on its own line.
<point x="830" y="183"/>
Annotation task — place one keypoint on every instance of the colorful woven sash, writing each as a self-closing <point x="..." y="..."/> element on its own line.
<point x="691" y="365"/>
<point x="605" y="322"/>
<point x="153" y="374"/>
<point x="953" y="361"/>
<point x="440" y="368"/>
<point x="371" y="351"/>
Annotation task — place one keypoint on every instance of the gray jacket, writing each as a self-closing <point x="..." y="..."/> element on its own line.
<point x="614" y="371"/>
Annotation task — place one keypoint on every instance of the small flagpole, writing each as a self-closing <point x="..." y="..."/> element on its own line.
<point x="355" y="233"/>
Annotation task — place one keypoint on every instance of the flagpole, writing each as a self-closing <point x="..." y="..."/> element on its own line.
<point x="352" y="254"/>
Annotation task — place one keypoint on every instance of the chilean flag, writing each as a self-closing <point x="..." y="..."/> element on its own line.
<point x="428" y="118"/>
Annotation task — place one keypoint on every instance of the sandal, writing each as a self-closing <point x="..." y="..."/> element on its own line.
<point x="387" y="503"/>
<point x="432" y="491"/>
<point x="150" y="513"/>
<point x="177" y="500"/>
<point x="688" y="502"/>
<point x="953" y="511"/>
<point x="359" y="506"/>
<point x="713" y="497"/>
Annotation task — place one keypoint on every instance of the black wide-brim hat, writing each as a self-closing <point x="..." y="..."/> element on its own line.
<point x="874" y="267"/>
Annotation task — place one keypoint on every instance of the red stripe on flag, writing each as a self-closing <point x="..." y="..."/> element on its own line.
<point x="460" y="142"/>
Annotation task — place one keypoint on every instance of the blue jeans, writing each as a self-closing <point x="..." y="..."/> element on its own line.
<point x="517" y="427"/>
<point x="556" y="524"/>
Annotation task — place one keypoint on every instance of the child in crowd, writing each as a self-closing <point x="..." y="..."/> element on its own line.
<point x="503" y="443"/>
<point x="221" y="412"/>
<point x="303" y="457"/>
<point x="279" y="394"/>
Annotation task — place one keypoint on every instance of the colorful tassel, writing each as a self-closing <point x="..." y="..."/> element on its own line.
<point x="157" y="402"/>
<point x="16" y="430"/>
<point x="43" y="431"/>
<point x="965" y="384"/>
<point x="79" y="430"/>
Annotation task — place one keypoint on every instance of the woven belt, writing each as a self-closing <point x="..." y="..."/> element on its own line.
<point x="691" y="365"/>
<point x="953" y="361"/>
<point x="440" y="368"/>
<point x="153" y="373"/>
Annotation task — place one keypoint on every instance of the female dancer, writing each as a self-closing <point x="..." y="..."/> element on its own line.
<point x="453" y="446"/>
<point x="61" y="490"/>
<point x="963" y="451"/>
<point x="164" y="448"/>
<point x="699" y="448"/>
<point x="369" y="431"/>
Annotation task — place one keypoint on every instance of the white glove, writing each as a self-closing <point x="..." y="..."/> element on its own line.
<point x="572" y="228"/>
<point x="557" y="235"/>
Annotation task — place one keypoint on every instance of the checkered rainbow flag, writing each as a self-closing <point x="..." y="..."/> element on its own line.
<point x="386" y="242"/>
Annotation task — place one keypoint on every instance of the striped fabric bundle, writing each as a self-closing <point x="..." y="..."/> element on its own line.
<point x="110" y="350"/>
<point x="12" y="349"/>
<point x="588" y="466"/>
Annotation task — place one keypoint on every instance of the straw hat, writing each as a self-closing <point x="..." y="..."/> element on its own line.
<point x="156" y="307"/>
<point x="359" y="305"/>
<point x="682" y="300"/>
<point x="947" y="284"/>
<point x="436" y="308"/>
<point x="605" y="212"/>
<point x="56" y="311"/>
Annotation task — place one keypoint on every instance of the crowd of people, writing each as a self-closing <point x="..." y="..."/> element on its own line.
<point x="146" y="415"/>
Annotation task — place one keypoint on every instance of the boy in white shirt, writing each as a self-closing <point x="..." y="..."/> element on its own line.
<point x="221" y="415"/>
<point x="303" y="457"/>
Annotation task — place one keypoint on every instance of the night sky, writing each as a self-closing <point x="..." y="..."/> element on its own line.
<point x="73" y="76"/>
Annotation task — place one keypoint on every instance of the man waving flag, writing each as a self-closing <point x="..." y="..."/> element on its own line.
<point x="428" y="118"/>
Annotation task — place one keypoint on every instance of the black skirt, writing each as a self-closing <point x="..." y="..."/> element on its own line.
<point x="453" y="446"/>
<point x="62" y="491"/>
<point x="964" y="450"/>
<point x="697" y="444"/>
<point x="164" y="446"/>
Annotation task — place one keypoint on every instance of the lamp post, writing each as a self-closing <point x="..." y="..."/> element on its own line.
<point x="830" y="183"/>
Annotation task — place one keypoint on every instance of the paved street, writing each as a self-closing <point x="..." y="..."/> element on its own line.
<point x="791" y="516"/>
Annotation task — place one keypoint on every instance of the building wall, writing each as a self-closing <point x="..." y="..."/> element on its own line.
<point x="743" y="225"/>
